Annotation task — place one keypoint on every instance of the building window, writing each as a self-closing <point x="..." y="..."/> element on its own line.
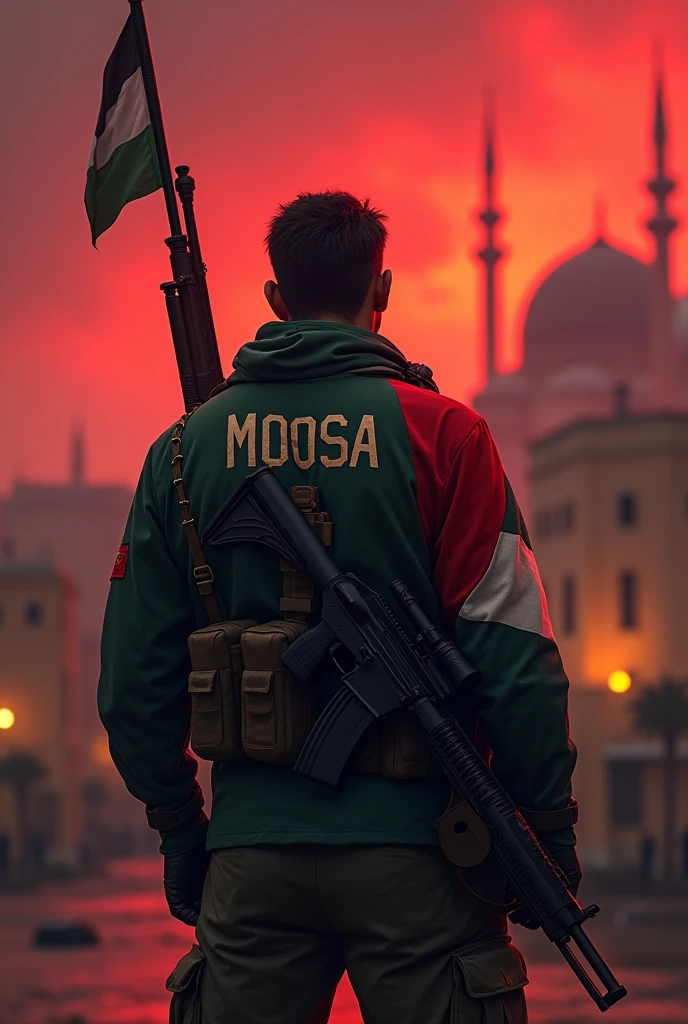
<point x="626" y="780"/>
<point x="628" y="600"/>
<point x="33" y="614"/>
<point x="627" y="512"/>
<point x="568" y="604"/>
<point x="568" y="517"/>
<point x="556" y="520"/>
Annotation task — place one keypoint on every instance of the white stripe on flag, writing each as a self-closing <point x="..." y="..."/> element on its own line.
<point x="124" y="121"/>
<point x="511" y="591"/>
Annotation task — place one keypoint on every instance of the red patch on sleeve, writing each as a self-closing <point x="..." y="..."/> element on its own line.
<point x="460" y="489"/>
<point x="120" y="566"/>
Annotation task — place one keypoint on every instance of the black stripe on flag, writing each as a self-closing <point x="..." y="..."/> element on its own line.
<point x="123" y="62"/>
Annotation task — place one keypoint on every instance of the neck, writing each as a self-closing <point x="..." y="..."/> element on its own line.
<point x="362" y="319"/>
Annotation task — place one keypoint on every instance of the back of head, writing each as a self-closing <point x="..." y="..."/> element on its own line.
<point x="325" y="249"/>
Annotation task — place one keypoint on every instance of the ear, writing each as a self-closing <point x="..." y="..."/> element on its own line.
<point x="275" y="301"/>
<point x="383" y="287"/>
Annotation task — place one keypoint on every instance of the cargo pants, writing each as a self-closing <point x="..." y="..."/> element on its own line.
<point x="279" y="925"/>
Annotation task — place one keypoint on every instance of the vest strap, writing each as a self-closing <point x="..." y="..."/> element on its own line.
<point x="202" y="573"/>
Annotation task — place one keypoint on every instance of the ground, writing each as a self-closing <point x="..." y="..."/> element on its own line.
<point x="121" y="981"/>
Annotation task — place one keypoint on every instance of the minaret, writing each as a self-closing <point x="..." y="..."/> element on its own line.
<point x="600" y="220"/>
<point x="662" y="225"/>
<point x="78" y="448"/>
<point x="490" y="255"/>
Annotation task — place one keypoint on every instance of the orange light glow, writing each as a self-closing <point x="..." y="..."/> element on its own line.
<point x="619" y="681"/>
<point x="6" y="718"/>
<point x="100" y="751"/>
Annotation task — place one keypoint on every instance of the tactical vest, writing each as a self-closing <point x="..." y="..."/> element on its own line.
<point x="245" y="703"/>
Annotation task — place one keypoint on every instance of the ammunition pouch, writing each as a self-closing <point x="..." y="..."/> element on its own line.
<point x="215" y="689"/>
<point x="276" y="708"/>
<point x="396" y="749"/>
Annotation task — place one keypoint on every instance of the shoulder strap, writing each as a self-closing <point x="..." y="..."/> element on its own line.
<point x="298" y="599"/>
<point x="202" y="573"/>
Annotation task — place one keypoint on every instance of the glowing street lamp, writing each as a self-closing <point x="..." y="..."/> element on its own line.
<point x="6" y="718"/>
<point x="619" y="681"/>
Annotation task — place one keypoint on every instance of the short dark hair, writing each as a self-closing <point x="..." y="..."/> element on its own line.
<point x="325" y="248"/>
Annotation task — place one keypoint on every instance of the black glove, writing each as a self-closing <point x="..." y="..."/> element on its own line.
<point x="566" y="859"/>
<point x="183" y="877"/>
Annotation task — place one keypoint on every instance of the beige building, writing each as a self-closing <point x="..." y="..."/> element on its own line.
<point x="40" y="709"/>
<point x="77" y="526"/>
<point x="598" y="315"/>
<point x="609" y="519"/>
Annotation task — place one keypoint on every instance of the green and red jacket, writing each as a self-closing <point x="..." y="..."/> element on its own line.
<point x="416" y="490"/>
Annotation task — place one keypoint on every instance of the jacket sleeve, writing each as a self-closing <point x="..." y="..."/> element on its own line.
<point x="490" y="588"/>
<point x="142" y="693"/>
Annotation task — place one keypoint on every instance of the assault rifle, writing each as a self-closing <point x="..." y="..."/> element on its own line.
<point x="383" y="670"/>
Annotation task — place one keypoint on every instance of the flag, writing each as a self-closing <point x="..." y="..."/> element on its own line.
<point x="124" y="164"/>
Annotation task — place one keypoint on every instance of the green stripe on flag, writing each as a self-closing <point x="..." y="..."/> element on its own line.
<point x="124" y="163"/>
<point x="132" y="172"/>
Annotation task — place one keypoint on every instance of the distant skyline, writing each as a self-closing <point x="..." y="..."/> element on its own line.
<point x="384" y="101"/>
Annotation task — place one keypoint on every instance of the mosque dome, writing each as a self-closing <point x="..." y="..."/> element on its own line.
<point x="580" y="377"/>
<point x="507" y="384"/>
<point x="594" y="308"/>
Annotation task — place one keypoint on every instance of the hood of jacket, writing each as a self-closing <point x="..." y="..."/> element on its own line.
<point x="310" y="349"/>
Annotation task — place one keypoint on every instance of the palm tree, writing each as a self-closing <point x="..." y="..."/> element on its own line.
<point x="21" y="771"/>
<point x="662" y="710"/>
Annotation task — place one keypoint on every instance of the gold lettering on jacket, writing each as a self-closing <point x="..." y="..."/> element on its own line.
<point x="334" y="439"/>
<point x="241" y="434"/>
<point x="268" y="459"/>
<point x="309" y="422"/>
<point x="366" y="429"/>
<point x="302" y="431"/>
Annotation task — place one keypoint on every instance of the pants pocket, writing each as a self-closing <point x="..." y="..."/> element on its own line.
<point x="489" y="981"/>
<point x="185" y="985"/>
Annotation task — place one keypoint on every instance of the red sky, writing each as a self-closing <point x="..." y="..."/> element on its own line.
<point x="264" y="100"/>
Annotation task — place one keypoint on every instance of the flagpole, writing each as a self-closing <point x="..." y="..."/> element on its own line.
<point x="186" y="296"/>
<point x="154" y="109"/>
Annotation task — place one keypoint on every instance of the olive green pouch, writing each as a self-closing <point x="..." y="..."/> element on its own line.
<point x="368" y="760"/>
<point x="489" y="982"/>
<point x="215" y="688"/>
<point x="185" y="985"/>
<point x="405" y="754"/>
<point x="276" y="707"/>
